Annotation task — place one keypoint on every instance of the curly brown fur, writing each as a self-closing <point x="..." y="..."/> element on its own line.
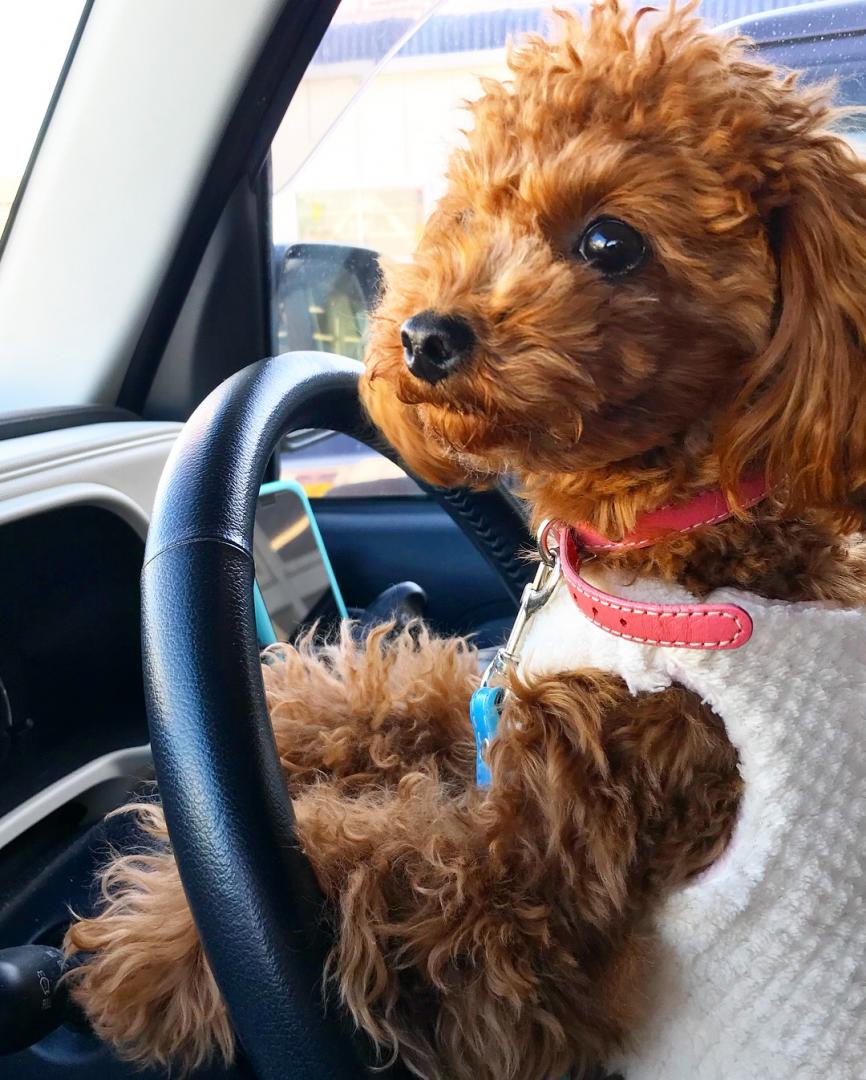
<point x="147" y="988"/>
<point x="377" y="709"/>
<point x="507" y="934"/>
<point x="356" y="716"/>
<point x="769" y="554"/>
<point x="494" y="937"/>
<point x="504" y="936"/>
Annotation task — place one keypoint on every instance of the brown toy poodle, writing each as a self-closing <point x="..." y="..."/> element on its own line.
<point x="644" y="287"/>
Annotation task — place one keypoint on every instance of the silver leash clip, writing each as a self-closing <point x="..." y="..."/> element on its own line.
<point x="487" y="703"/>
<point x="535" y="596"/>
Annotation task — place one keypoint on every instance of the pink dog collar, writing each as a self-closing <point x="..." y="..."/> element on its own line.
<point x="706" y="508"/>
<point x="684" y="626"/>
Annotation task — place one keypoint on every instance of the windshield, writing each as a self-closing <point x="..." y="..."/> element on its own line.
<point x="34" y="43"/>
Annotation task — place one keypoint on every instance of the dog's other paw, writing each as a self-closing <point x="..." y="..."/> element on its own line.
<point x="145" y="985"/>
<point x="366" y="713"/>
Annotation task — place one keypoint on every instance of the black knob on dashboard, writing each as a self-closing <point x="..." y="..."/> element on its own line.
<point x="402" y="602"/>
<point x="31" y="1002"/>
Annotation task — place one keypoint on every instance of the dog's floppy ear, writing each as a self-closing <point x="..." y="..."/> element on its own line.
<point x="802" y="409"/>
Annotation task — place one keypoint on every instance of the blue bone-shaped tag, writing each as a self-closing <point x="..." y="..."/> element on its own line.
<point x="486" y="704"/>
<point x="485" y="709"/>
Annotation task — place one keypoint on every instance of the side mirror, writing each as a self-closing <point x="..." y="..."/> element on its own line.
<point x="323" y="294"/>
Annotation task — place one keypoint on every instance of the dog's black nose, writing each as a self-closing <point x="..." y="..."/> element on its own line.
<point x="434" y="345"/>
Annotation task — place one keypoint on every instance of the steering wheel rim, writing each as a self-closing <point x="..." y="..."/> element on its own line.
<point x="251" y="891"/>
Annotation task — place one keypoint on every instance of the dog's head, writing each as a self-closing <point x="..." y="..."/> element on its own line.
<point x="648" y="273"/>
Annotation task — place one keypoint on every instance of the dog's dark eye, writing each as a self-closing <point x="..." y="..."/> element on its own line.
<point x="612" y="247"/>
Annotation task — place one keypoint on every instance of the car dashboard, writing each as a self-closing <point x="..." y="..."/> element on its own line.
<point x="74" y="509"/>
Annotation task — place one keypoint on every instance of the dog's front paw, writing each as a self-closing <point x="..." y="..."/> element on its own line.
<point x="145" y="984"/>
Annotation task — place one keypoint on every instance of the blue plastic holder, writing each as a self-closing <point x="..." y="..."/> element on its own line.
<point x="264" y="626"/>
<point x="485" y="709"/>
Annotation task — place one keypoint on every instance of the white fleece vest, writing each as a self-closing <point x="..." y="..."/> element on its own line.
<point x="762" y="967"/>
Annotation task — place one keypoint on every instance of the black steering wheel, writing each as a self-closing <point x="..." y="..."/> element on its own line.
<point x="252" y="893"/>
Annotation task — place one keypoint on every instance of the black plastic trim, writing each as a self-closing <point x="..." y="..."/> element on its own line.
<point x="283" y="60"/>
<point x="14" y="425"/>
<point x="224" y="323"/>
<point x="266" y="250"/>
